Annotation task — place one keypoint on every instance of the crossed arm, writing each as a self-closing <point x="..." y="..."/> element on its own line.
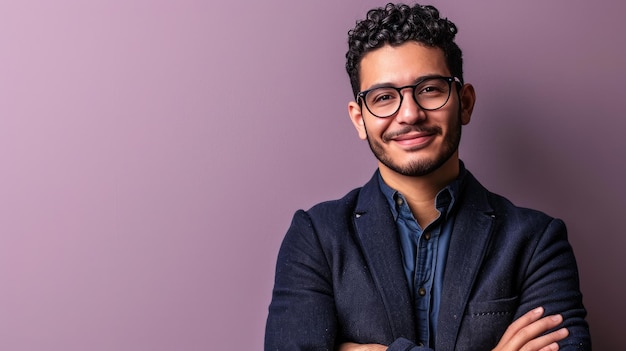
<point x="310" y="306"/>
<point x="524" y="334"/>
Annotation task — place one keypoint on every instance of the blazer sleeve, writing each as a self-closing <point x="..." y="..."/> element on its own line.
<point x="552" y="282"/>
<point x="302" y="311"/>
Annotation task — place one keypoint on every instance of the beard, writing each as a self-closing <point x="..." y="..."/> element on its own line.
<point x="422" y="166"/>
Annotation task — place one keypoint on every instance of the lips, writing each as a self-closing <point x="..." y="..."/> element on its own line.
<point x="412" y="136"/>
<point x="414" y="140"/>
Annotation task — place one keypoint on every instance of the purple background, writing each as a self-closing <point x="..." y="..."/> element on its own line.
<point x="152" y="154"/>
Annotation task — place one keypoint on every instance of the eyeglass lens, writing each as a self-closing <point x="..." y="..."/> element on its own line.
<point x="430" y="94"/>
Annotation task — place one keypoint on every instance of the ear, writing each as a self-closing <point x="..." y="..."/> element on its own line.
<point x="468" y="98"/>
<point x="354" y="110"/>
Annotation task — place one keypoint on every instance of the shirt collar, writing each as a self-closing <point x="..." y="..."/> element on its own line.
<point x="444" y="201"/>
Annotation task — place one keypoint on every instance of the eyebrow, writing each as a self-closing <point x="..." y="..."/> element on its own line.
<point x="417" y="80"/>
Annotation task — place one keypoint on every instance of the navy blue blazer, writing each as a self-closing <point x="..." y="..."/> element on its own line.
<point x="339" y="276"/>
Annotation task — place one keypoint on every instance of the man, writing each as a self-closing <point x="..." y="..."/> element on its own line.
<point x="422" y="257"/>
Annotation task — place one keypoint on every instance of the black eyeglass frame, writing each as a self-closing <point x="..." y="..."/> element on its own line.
<point x="360" y="97"/>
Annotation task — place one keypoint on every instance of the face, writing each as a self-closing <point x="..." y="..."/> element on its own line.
<point x="412" y="142"/>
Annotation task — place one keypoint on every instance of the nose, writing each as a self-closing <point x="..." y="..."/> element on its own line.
<point x="409" y="112"/>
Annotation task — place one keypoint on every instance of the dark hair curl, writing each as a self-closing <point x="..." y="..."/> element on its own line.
<point x="396" y="24"/>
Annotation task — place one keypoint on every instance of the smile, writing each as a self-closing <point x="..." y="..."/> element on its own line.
<point x="414" y="140"/>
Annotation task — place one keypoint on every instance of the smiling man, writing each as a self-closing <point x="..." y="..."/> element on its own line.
<point x="422" y="257"/>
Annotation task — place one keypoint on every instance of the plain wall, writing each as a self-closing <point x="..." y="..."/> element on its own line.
<point x="152" y="154"/>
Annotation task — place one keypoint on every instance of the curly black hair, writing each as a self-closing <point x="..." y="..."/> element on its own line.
<point x="396" y="24"/>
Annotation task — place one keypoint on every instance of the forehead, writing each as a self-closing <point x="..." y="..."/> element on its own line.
<point x="401" y="65"/>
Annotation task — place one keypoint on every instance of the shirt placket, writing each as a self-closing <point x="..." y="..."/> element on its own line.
<point x="423" y="279"/>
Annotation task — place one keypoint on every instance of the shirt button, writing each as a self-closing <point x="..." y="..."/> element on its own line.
<point x="426" y="236"/>
<point x="421" y="291"/>
<point x="420" y="344"/>
<point x="399" y="201"/>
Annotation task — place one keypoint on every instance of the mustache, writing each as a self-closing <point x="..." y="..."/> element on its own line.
<point x="410" y="129"/>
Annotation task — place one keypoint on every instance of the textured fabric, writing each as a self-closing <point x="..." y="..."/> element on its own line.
<point x="423" y="256"/>
<point x="339" y="276"/>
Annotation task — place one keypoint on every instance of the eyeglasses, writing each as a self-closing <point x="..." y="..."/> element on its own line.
<point x="430" y="93"/>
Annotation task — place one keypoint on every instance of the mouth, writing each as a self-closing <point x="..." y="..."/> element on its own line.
<point x="413" y="139"/>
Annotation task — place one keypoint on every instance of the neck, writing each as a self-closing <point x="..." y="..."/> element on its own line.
<point x="420" y="191"/>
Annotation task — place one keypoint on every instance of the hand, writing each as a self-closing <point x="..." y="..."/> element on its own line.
<point x="350" y="346"/>
<point x="525" y="334"/>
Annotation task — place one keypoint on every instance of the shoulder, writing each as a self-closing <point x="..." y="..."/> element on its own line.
<point x="345" y="207"/>
<point x="477" y="196"/>
<point x="512" y="212"/>
<point x="329" y="217"/>
<point x="509" y="217"/>
<point x="338" y="207"/>
<point x="318" y="233"/>
<point x="336" y="217"/>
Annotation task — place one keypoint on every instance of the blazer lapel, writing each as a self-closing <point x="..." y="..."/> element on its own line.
<point x="378" y="237"/>
<point x="470" y="237"/>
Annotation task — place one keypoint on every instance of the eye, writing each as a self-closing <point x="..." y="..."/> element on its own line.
<point x="429" y="89"/>
<point x="432" y="87"/>
<point x="382" y="96"/>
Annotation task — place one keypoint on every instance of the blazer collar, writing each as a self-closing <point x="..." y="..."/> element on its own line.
<point x="377" y="233"/>
<point x="470" y="237"/>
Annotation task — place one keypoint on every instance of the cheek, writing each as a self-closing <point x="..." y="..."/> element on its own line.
<point x="451" y="120"/>
<point x="376" y="127"/>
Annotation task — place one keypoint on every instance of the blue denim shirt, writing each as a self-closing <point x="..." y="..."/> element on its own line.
<point x="424" y="252"/>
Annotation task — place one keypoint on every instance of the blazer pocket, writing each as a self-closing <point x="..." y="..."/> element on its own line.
<point x="485" y="322"/>
<point x="500" y="307"/>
